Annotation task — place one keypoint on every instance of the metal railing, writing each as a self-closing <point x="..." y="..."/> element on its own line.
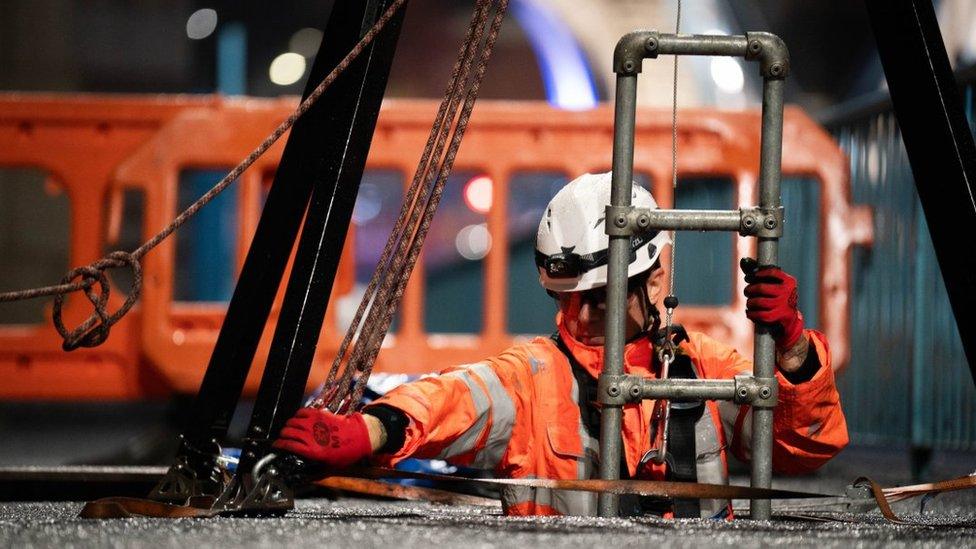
<point x="903" y="332"/>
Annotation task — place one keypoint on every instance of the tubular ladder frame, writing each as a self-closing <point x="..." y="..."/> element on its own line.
<point x="623" y="221"/>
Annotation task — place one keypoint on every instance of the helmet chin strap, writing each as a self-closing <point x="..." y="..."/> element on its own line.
<point x="650" y="314"/>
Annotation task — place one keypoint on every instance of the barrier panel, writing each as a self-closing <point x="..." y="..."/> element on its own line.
<point x="125" y="162"/>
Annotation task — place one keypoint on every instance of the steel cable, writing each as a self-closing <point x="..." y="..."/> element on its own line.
<point x="668" y="350"/>
<point x="669" y="310"/>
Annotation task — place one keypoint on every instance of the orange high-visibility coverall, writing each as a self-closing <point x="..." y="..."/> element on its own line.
<point x="518" y="414"/>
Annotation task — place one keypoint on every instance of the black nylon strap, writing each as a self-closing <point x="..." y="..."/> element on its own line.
<point x="588" y="395"/>
<point x="682" y="457"/>
<point x="600" y="258"/>
<point x="630" y="504"/>
<point x="589" y="413"/>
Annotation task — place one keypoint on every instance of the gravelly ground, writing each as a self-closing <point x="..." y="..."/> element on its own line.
<point x="366" y="524"/>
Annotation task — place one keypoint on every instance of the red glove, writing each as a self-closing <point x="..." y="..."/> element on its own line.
<point x="321" y="436"/>
<point x="771" y="299"/>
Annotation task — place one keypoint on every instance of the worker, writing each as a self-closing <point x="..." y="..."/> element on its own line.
<point x="532" y="411"/>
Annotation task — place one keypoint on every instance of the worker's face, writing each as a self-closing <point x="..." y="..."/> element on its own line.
<point x="584" y="313"/>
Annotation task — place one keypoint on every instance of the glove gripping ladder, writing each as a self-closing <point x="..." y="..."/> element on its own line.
<point x="765" y="222"/>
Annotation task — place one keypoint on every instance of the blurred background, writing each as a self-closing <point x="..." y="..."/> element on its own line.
<point x="907" y="388"/>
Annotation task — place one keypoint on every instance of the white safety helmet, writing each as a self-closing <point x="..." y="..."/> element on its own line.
<point x="571" y="244"/>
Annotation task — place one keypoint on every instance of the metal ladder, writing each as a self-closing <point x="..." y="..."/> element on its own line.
<point x="624" y="221"/>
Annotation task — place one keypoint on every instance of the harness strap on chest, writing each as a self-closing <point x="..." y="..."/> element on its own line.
<point x="682" y="463"/>
<point x="589" y="413"/>
<point x="682" y="458"/>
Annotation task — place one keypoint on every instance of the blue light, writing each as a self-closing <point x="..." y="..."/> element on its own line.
<point x="232" y="59"/>
<point x="565" y="70"/>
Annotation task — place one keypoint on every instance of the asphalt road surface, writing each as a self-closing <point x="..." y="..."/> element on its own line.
<point x="363" y="523"/>
<point x="367" y="524"/>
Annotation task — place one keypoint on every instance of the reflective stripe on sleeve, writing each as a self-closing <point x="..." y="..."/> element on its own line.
<point x="502" y="418"/>
<point x="495" y="406"/>
<point x="469" y="438"/>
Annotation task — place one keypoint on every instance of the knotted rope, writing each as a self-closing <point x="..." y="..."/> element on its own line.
<point x="93" y="279"/>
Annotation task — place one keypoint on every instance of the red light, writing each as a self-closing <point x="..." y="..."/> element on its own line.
<point x="478" y="194"/>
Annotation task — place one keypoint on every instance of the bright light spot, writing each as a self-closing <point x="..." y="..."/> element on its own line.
<point x="384" y="383"/>
<point x="477" y="194"/>
<point x="368" y="204"/>
<point x="287" y="68"/>
<point x="874" y="162"/>
<point x="473" y="241"/>
<point x="306" y="41"/>
<point x="727" y="74"/>
<point x="201" y="24"/>
<point x="565" y="69"/>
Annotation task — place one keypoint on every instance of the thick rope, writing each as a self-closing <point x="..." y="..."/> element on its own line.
<point x="392" y="304"/>
<point x="334" y="389"/>
<point x="392" y="277"/>
<point x="95" y="330"/>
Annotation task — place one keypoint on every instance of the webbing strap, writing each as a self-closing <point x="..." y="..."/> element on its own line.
<point x="682" y="458"/>
<point x="122" y="507"/>
<point x="904" y="492"/>
<point x="126" y="507"/>
<point x="678" y="490"/>
<point x="885" y="496"/>
<point x="404" y="492"/>
<point x="651" y="488"/>
<point x="589" y="414"/>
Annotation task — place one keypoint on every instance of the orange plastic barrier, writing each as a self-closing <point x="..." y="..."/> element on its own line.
<point x="97" y="146"/>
